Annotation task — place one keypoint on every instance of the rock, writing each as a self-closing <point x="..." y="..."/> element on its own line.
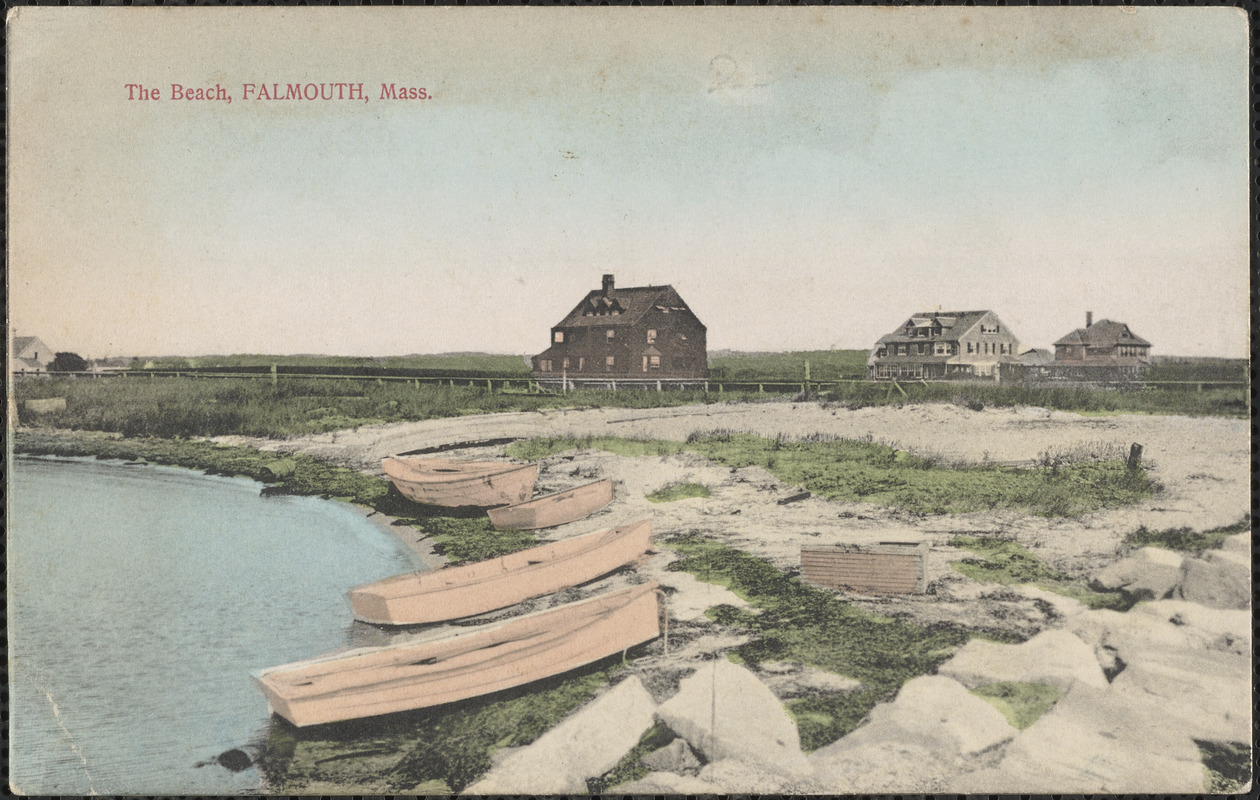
<point x="676" y="757"/>
<point x="234" y="760"/>
<point x="666" y="783"/>
<point x="1227" y="630"/>
<point x="1239" y="543"/>
<point x="723" y="711"/>
<point x="1150" y="569"/>
<point x="1205" y="694"/>
<point x="886" y="767"/>
<point x="1219" y="579"/>
<point x="734" y="776"/>
<point x="1056" y="657"/>
<point x="585" y="745"/>
<point x="934" y="721"/>
<point x="691" y="597"/>
<point x="1094" y="741"/>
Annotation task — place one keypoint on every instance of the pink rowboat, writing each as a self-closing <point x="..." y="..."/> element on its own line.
<point x="401" y="677"/>
<point x="417" y="598"/>
<point x="442" y="482"/>
<point x="553" y="509"/>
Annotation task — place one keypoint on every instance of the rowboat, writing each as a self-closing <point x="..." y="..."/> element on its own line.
<point x="442" y="482"/>
<point x="553" y="509"/>
<point x="421" y="597"/>
<point x="381" y="680"/>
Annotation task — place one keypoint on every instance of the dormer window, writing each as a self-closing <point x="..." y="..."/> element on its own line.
<point x="651" y="336"/>
<point x="558" y="337"/>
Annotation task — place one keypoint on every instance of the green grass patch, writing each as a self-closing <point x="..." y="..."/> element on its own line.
<point x="1228" y="766"/>
<point x="810" y="626"/>
<point x="629" y="769"/>
<point x="185" y="406"/>
<point x="860" y="471"/>
<point x="451" y="744"/>
<point x="1021" y="703"/>
<point x="1186" y="539"/>
<point x="678" y="491"/>
<point x="1012" y="564"/>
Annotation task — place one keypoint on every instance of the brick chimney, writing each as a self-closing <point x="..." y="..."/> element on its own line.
<point x="608" y="284"/>
<point x="1089" y="319"/>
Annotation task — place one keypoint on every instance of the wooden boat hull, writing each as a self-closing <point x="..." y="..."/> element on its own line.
<point x="553" y="509"/>
<point x="383" y="680"/>
<point x="453" y="484"/>
<point x="423" y="597"/>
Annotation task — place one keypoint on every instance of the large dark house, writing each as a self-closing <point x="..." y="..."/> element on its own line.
<point x="622" y="337"/>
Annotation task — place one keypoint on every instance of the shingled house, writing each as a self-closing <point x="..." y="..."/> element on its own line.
<point x="642" y="335"/>
<point x="1104" y="343"/>
<point x="944" y="345"/>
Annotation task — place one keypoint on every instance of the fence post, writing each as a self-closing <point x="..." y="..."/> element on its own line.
<point x="1135" y="456"/>
<point x="273" y="375"/>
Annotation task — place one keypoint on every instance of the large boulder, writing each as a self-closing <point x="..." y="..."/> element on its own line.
<point x="1151" y="569"/>
<point x="1219" y="579"/>
<point x="676" y="757"/>
<point x="585" y="745"/>
<point x="723" y="711"/>
<point x="1204" y="693"/>
<point x="666" y="783"/>
<point x="1094" y="741"/>
<point x="1056" y="658"/>
<point x="915" y="742"/>
<point x="736" y="776"/>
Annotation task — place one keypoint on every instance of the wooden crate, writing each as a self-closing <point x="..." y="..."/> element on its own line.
<point x="886" y="568"/>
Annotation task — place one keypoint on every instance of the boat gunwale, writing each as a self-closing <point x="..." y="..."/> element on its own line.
<point x="456" y="479"/>
<point x="598" y="539"/>
<point x="627" y="595"/>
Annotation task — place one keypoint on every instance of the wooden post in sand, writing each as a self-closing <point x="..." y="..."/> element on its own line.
<point x="1135" y="456"/>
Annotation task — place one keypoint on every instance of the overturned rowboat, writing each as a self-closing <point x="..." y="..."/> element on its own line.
<point x="422" y="597"/>
<point x="442" y="482"/>
<point x="553" y="509"/>
<point x="382" y="680"/>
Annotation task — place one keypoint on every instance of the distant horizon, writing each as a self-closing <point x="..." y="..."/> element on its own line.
<point x="805" y="177"/>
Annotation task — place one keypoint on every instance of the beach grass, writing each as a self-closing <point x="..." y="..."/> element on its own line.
<point x="1021" y="703"/>
<point x="678" y="491"/>
<point x="1187" y="539"/>
<point x="1011" y="564"/>
<point x="869" y="472"/>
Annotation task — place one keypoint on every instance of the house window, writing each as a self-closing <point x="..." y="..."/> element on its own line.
<point x="942" y="349"/>
<point x="651" y="336"/>
<point x="611" y="333"/>
<point x="901" y="349"/>
<point x="544" y="365"/>
<point x="645" y="363"/>
<point x="581" y="363"/>
<point x="558" y="337"/>
<point x="654" y="362"/>
<point x="608" y="362"/>
<point x="565" y="363"/>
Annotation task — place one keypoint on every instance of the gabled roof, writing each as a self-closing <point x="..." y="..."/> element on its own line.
<point x="622" y="306"/>
<point x="20" y="343"/>
<point x="1103" y="333"/>
<point x="953" y="324"/>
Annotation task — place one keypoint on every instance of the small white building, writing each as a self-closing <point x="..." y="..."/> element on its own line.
<point x="31" y="354"/>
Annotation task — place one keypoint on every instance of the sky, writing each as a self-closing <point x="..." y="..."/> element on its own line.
<point x="807" y="178"/>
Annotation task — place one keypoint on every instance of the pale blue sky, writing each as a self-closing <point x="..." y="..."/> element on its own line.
<point x="806" y="177"/>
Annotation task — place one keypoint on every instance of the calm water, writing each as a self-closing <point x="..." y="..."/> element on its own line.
<point x="140" y="600"/>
